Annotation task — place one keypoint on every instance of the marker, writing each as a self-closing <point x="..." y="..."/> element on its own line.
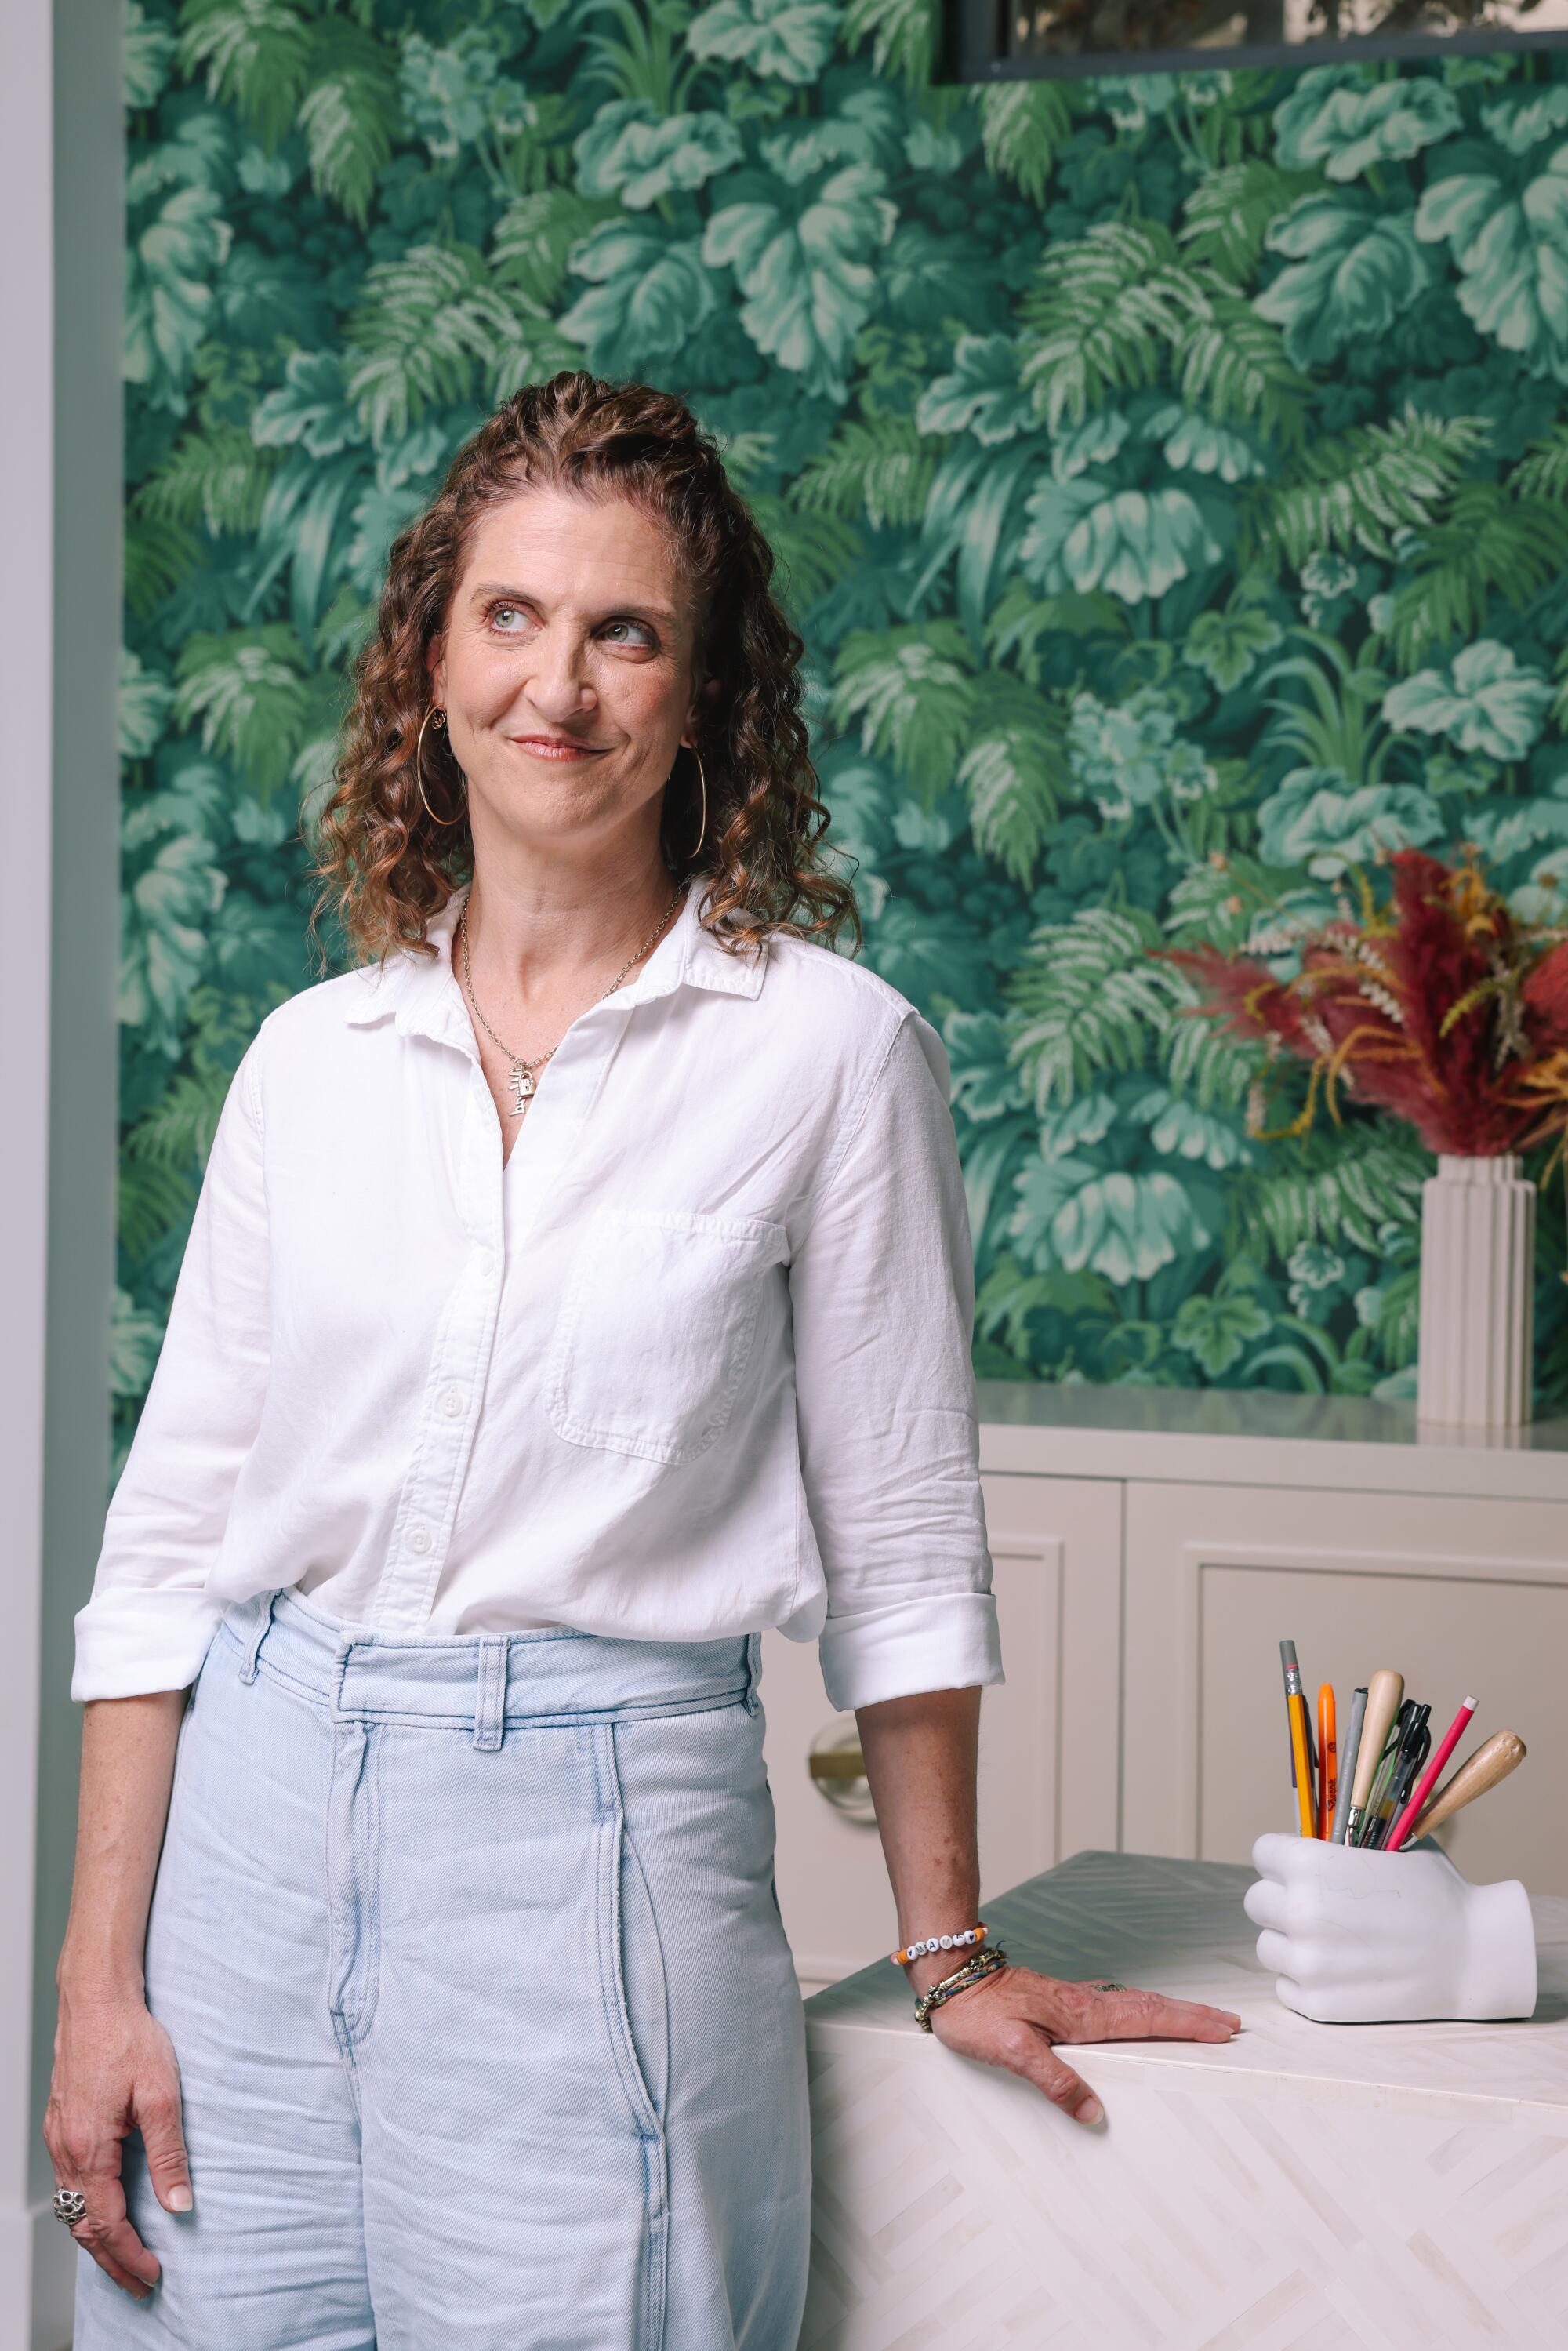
<point x="1429" y="1780"/>
<point x="1493" y="1760"/>
<point x="1347" y="1762"/>
<point x="1328" y="1783"/>
<point x="1296" y="1706"/>
<point x="1383" y="1692"/>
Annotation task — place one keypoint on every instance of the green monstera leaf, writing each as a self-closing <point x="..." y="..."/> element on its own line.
<point x="807" y="276"/>
<point x="166" y="913"/>
<point x="178" y="239"/>
<point x="630" y="152"/>
<point x="1482" y="700"/>
<point x="144" y="701"/>
<point x="981" y="395"/>
<point x="1514" y="253"/>
<point x="788" y="41"/>
<point x="1340" y="119"/>
<point x="1133" y="544"/>
<point x="1352" y="270"/>
<point x="1318" y="820"/>
<point x="1129" y="1227"/>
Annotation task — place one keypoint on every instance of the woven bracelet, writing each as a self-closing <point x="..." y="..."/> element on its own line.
<point x="973" y="1971"/>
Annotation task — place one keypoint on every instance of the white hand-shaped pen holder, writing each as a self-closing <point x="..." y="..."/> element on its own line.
<point x="1355" y="1937"/>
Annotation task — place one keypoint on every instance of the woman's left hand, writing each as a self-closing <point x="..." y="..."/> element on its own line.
<point x="1015" y="2017"/>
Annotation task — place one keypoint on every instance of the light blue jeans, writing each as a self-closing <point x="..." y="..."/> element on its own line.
<point x="488" y="2033"/>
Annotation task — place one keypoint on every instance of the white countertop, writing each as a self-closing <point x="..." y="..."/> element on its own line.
<point x="1178" y="1926"/>
<point x="1253" y="1436"/>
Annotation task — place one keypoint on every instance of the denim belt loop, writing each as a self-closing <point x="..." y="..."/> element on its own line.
<point x="258" y="1634"/>
<point x="753" y="1671"/>
<point x="490" y="1705"/>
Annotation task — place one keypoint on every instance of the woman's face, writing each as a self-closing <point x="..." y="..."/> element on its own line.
<point x="567" y="670"/>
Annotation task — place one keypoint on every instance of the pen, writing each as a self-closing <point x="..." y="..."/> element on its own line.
<point x="1296" y="1706"/>
<point x="1413" y="1751"/>
<point x="1328" y="1760"/>
<point x="1347" y="1762"/>
<point x="1373" y="1817"/>
<point x="1429" y="1780"/>
<point x="1493" y="1760"/>
<point x="1383" y="1693"/>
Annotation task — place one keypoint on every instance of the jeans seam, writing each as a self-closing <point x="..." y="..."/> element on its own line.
<point x="617" y="2021"/>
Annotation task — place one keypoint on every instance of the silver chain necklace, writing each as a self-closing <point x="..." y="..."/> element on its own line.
<point x="524" y="1083"/>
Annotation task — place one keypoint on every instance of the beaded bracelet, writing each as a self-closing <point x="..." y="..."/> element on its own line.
<point x="973" y="1971"/>
<point x="976" y="1933"/>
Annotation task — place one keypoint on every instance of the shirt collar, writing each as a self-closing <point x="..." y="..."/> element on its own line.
<point x="426" y="995"/>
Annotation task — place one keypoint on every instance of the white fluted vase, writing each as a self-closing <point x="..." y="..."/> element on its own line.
<point x="1478" y="1293"/>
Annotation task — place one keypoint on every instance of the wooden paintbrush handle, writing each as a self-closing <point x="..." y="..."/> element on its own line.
<point x="1493" y="1762"/>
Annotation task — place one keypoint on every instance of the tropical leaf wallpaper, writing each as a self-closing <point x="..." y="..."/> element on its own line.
<point x="1170" y="477"/>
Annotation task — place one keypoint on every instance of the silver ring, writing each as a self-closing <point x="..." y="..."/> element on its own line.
<point x="70" y="2205"/>
<point x="1102" y="1984"/>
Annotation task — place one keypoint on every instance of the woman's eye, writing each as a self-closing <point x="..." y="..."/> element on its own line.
<point x="646" y="633"/>
<point x="498" y="611"/>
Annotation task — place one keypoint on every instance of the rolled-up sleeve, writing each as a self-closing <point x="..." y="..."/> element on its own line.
<point x="149" y="1619"/>
<point x="883" y="1288"/>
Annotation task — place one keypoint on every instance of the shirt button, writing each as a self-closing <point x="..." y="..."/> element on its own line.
<point x="452" y="1403"/>
<point x="420" y="1540"/>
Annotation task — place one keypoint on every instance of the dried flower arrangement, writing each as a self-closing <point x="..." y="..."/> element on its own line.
<point x="1435" y="1002"/>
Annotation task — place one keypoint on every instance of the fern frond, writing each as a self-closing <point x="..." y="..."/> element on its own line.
<point x="812" y="552"/>
<point x="900" y="32"/>
<point x="1225" y="219"/>
<point x="176" y="1132"/>
<point x="158" y="556"/>
<point x="1231" y="364"/>
<point x="1088" y="1000"/>
<point x="1215" y="1068"/>
<point x="1543" y="471"/>
<point x="1024" y="125"/>
<point x="1356" y="492"/>
<point x="531" y="240"/>
<point x="434" y="328"/>
<point x="349" y="114"/>
<point x="215" y="477"/>
<point x="256" y="55"/>
<point x="914" y="696"/>
<point x="1104" y="313"/>
<point x="883" y="470"/>
<point x="1488" y="544"/>
<point x="1016" y="773"/>
<point x="1343" y="1191"/>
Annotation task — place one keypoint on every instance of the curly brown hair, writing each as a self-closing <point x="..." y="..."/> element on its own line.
<point x="386" y="868"/>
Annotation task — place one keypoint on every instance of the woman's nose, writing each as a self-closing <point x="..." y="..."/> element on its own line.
<point x="556" y="685"/>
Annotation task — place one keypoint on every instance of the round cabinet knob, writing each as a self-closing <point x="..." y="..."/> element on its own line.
<point x="838" y="1772"/>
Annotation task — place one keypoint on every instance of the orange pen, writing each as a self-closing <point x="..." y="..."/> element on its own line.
<point x="1327" y="1761"/>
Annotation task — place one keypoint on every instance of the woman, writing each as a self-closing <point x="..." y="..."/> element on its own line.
<point x="579" y="1285"/>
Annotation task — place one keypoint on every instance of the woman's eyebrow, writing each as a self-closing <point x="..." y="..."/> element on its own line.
<point x="488" y="590"/>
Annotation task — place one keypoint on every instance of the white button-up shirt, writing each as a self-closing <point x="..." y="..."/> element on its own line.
<point x="693" y="1360"/>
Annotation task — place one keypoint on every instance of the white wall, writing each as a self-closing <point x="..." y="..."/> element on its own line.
<point x="60" y="273"/>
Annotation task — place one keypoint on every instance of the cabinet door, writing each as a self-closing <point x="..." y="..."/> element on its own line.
<point x="1463" y="1597"/>
<point x="1055" y="1547"/>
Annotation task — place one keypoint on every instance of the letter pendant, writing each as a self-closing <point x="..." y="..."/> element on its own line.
<point x="523" y="1089"/>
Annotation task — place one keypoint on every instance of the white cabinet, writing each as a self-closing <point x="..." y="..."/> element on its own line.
<point x="1150" y="1549"/>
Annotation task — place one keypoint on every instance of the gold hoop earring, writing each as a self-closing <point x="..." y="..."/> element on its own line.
<point x="701" y="835"/>
<point x="438" y="715"/>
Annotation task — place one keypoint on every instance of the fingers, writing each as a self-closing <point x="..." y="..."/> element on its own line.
<point x="1275" y="1952"/>
<point x="1267" y="1903"/>
<point x="1144" y="2016"/>
<point x="1025" y="2050"/>
<point x="163" y="2138"/>
<point x="108" y="2233"/>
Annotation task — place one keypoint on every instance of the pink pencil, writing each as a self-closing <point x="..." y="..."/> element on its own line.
<point x="1412" y="1812"/>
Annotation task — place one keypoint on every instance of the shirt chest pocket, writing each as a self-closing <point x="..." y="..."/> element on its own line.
<point x="657" y="1325"/>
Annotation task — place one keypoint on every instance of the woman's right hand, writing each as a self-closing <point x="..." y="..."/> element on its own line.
<point x="115" y="2072"/>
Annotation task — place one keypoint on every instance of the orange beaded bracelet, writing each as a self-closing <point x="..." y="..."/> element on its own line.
<point x="976" y="1933"/>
